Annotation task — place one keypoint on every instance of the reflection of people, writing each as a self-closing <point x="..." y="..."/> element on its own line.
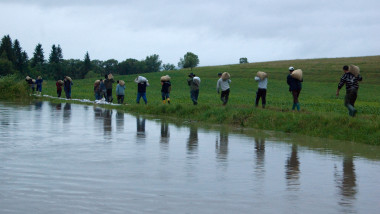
<point x="140" y="126"/>
<point x="347" y="182"/>
<point x="119" y="120"/>
<point x="260" y="152"/>
<point x="352" y="87"/>
<point x="107" y="123"/>
<point x="164" y="132"/>
<point x="292" y="165"/>
<point x="67" y="111"/>
<point x="222" y="146"/>
<point x="192" y="142"/>
<point x="295" y="87"/>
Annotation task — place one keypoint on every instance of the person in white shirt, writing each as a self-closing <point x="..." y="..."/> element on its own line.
<point x="223" y="85"/>
<point x="262" y="90"/>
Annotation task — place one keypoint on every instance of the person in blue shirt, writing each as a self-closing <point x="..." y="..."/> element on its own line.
<point x="120" y="88"/>
<point x="39" y="85"/>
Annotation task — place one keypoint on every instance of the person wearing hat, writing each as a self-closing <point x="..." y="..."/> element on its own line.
<point x="295" y="87"/>
<point x="352" y="87"/>
<point x="194" y="87"/>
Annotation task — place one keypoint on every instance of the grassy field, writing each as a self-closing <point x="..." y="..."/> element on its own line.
<point x="322" y="114"/>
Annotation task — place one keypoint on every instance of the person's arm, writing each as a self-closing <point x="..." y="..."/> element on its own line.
<point x="360" y="78"/>
<point x="218" y="85"/>
<point x="257" y="78"/>
<point x="341" y="84"/>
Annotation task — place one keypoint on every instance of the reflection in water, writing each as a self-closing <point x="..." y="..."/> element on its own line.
<point x="119" y="120"/>
<point x="192" y="142"/>
<point x="221" y="146"/>
<point x="165" y="135"/>
<point x="140" y="127"/>
<point x="38" y="105"/>
<point x="107" y="121"/>
<point x="346" y="184"/>
<point x="292" y="168"/>
<point x="67" y="112"/>
<point x="260" y="156"/>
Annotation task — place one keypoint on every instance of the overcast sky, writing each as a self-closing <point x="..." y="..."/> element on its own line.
<point x="218" y="31"/>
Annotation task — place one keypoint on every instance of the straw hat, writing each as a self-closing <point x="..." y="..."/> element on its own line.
<point x="225" y="76"/>
<point x="353" y="69"/>
<point x="262" y="75"/>
<point x="121" y="82"/>
<point x="297" y="74"/>
<point x="165" y="78"/>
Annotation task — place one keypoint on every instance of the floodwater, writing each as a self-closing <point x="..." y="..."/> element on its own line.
<point x="68" y="158"/>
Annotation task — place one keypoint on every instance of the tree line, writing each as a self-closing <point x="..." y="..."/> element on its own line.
<point x="14" y="60"/>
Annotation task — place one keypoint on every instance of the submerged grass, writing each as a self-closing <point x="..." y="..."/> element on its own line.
<point x="321" y="115"/>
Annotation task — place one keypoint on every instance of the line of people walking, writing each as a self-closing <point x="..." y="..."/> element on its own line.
<point x="103" y="88"/>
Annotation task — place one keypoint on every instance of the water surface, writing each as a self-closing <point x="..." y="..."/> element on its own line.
<point x="67" y="158"/>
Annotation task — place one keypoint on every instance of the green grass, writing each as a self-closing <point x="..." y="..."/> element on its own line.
<point x="12" y="88"/>
<point x="322" y="114"/>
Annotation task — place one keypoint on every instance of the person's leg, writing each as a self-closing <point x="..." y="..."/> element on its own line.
<point x="226" y="95"/>
<point x="121" y="99"/>
<point x="264" y="97"/>
<point x="163" y="97"/>
<point x="168" y="97"/>
<point x="350" y="99"/>
<point x="144" y="98"/>
<point x="118" y="99"/>
<point x="257" y="97"/>
<point x="138" y="97"/>
<point x="298" y="103"/>
<point x="295" y="99"/>
<point x="196" y="96"/>
<point x="192" y="96"/>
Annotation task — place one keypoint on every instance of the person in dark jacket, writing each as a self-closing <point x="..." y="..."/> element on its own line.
<point x="194" y="87"/>
<point x="108" y="83"/>
<point x="39" y="84"/>
<point x="59" y="84"/>
<point x="142" y="83"/>
<point x="165" y="91"/>
<point x="67" y="83"/>
<point x="295" y="87"/>
<point x="352" y="87"/>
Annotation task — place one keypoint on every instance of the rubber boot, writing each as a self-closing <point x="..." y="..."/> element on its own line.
<point x="163" y="101"/>
<point x="294" y="106"/>
<point x="168" y="100"/>
<point x="351" y="110"/>
<point x="298" y="106"/>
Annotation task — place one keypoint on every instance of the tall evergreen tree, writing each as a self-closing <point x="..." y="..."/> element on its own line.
<point x="18" y="63"/>
<point x="38" y="56"/>
<point x="53" y="57"/>
<point x="87" y="63"/>
<point x="6" y="46"/>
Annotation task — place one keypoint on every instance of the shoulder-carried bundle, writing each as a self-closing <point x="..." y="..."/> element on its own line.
<point x="69" y="79"/>
<point x="262" y="75"/>
<point x="297" y="74"/>
<point x="97" y="82"/>
<point x="140" y="79"/>
<point x="353" y="69"/>
<point x="225" y="76"/>
<point x="61" y="82"/>
<point x="165" y="78"/>
<point x="121" y="82"/>
<point x="197" y="80"/>
<point x="110" y="76"/>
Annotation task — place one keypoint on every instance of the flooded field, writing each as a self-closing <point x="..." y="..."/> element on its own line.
<point x="68" y="158"/>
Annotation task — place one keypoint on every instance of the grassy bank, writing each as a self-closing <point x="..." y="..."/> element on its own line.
<point x="13" y="88"/>
<point x="322" y="114"/>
